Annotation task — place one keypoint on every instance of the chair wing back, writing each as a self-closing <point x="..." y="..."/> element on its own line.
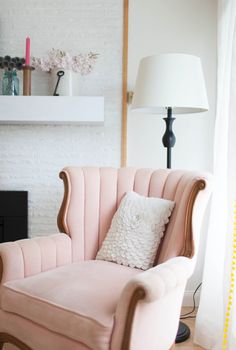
<point x="92" y="196"/>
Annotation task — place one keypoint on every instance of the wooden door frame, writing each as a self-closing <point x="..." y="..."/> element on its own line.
<point x="124" y="83"/>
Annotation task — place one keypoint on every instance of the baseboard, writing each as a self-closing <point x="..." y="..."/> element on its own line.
<point x="188" y="298"/>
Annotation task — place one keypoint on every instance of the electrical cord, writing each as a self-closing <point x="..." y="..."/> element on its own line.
<point x="189" y="314"/>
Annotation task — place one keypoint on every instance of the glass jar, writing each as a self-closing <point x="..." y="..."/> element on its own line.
<point x="10" y="83"/>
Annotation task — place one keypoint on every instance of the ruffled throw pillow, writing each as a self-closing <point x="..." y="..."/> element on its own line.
<point x="136" y="231"/>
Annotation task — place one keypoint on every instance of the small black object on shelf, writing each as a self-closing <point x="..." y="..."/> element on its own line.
<point x="60" y="74"/>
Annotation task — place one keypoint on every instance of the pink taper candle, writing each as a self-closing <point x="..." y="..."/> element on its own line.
<point x="27" y="52"/>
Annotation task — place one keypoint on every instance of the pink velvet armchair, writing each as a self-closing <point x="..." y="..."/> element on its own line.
<point x="56" y="296"/>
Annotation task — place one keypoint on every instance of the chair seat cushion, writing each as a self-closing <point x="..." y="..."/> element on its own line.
<point x="77" y="300"/>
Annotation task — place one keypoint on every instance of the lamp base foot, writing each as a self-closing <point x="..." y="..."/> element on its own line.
<point x="183" y="333"/>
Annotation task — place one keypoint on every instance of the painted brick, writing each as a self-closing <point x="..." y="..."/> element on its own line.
<point x="31" y="156"/>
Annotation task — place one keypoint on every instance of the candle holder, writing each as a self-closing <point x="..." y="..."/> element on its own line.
<point x="27" y="79"/>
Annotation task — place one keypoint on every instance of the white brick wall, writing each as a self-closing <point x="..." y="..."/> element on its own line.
<point x="32" y="156"/>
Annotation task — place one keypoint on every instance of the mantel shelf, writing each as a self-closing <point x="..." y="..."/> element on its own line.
<point x="51" y="109"/>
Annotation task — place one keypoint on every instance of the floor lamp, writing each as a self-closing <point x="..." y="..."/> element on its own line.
<point x="170" y="84"/>
<point x="166" y="84"/>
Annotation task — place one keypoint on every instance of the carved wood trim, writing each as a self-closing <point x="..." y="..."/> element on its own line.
<point x="1" y="269"/>
<point x="124" y="84"/>
<point x="188" y="249"/>
<point x="61" y="218"/>
<point x="138" y="295"/>
<point x="7" y="338"/>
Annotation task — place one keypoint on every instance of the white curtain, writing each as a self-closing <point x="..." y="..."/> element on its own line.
<point x="216" y="319"/>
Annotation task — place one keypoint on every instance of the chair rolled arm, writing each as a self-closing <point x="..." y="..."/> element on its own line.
<point x="28" y="257"/>
<point x="163" y="286"/>
<point x="161" y="279"/>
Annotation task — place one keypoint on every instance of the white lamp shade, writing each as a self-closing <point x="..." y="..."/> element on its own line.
<point x="170" y="80"/>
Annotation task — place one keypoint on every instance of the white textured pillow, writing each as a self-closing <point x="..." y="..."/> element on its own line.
<point x="136" y="231"/>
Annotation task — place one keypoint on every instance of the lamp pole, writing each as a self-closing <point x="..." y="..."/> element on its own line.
<point x="168" y="138"/>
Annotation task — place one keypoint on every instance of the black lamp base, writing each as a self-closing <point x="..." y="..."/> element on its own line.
<point x="168" y="138"/>
<point x="183" y="333"/>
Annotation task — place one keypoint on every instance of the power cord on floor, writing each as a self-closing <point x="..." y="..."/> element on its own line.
<point x="189" y="314"/>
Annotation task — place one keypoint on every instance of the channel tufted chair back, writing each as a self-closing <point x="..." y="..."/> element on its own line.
<point x="92" y="195"/>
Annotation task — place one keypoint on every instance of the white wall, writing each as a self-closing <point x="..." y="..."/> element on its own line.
<point x="32" y="156"/>
<point x="179" y="26"/>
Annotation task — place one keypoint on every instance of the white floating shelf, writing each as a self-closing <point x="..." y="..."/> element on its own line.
<point x="51" y="109"/>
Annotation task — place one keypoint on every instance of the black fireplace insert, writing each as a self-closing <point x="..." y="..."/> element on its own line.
<point x="13" y="215"/>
